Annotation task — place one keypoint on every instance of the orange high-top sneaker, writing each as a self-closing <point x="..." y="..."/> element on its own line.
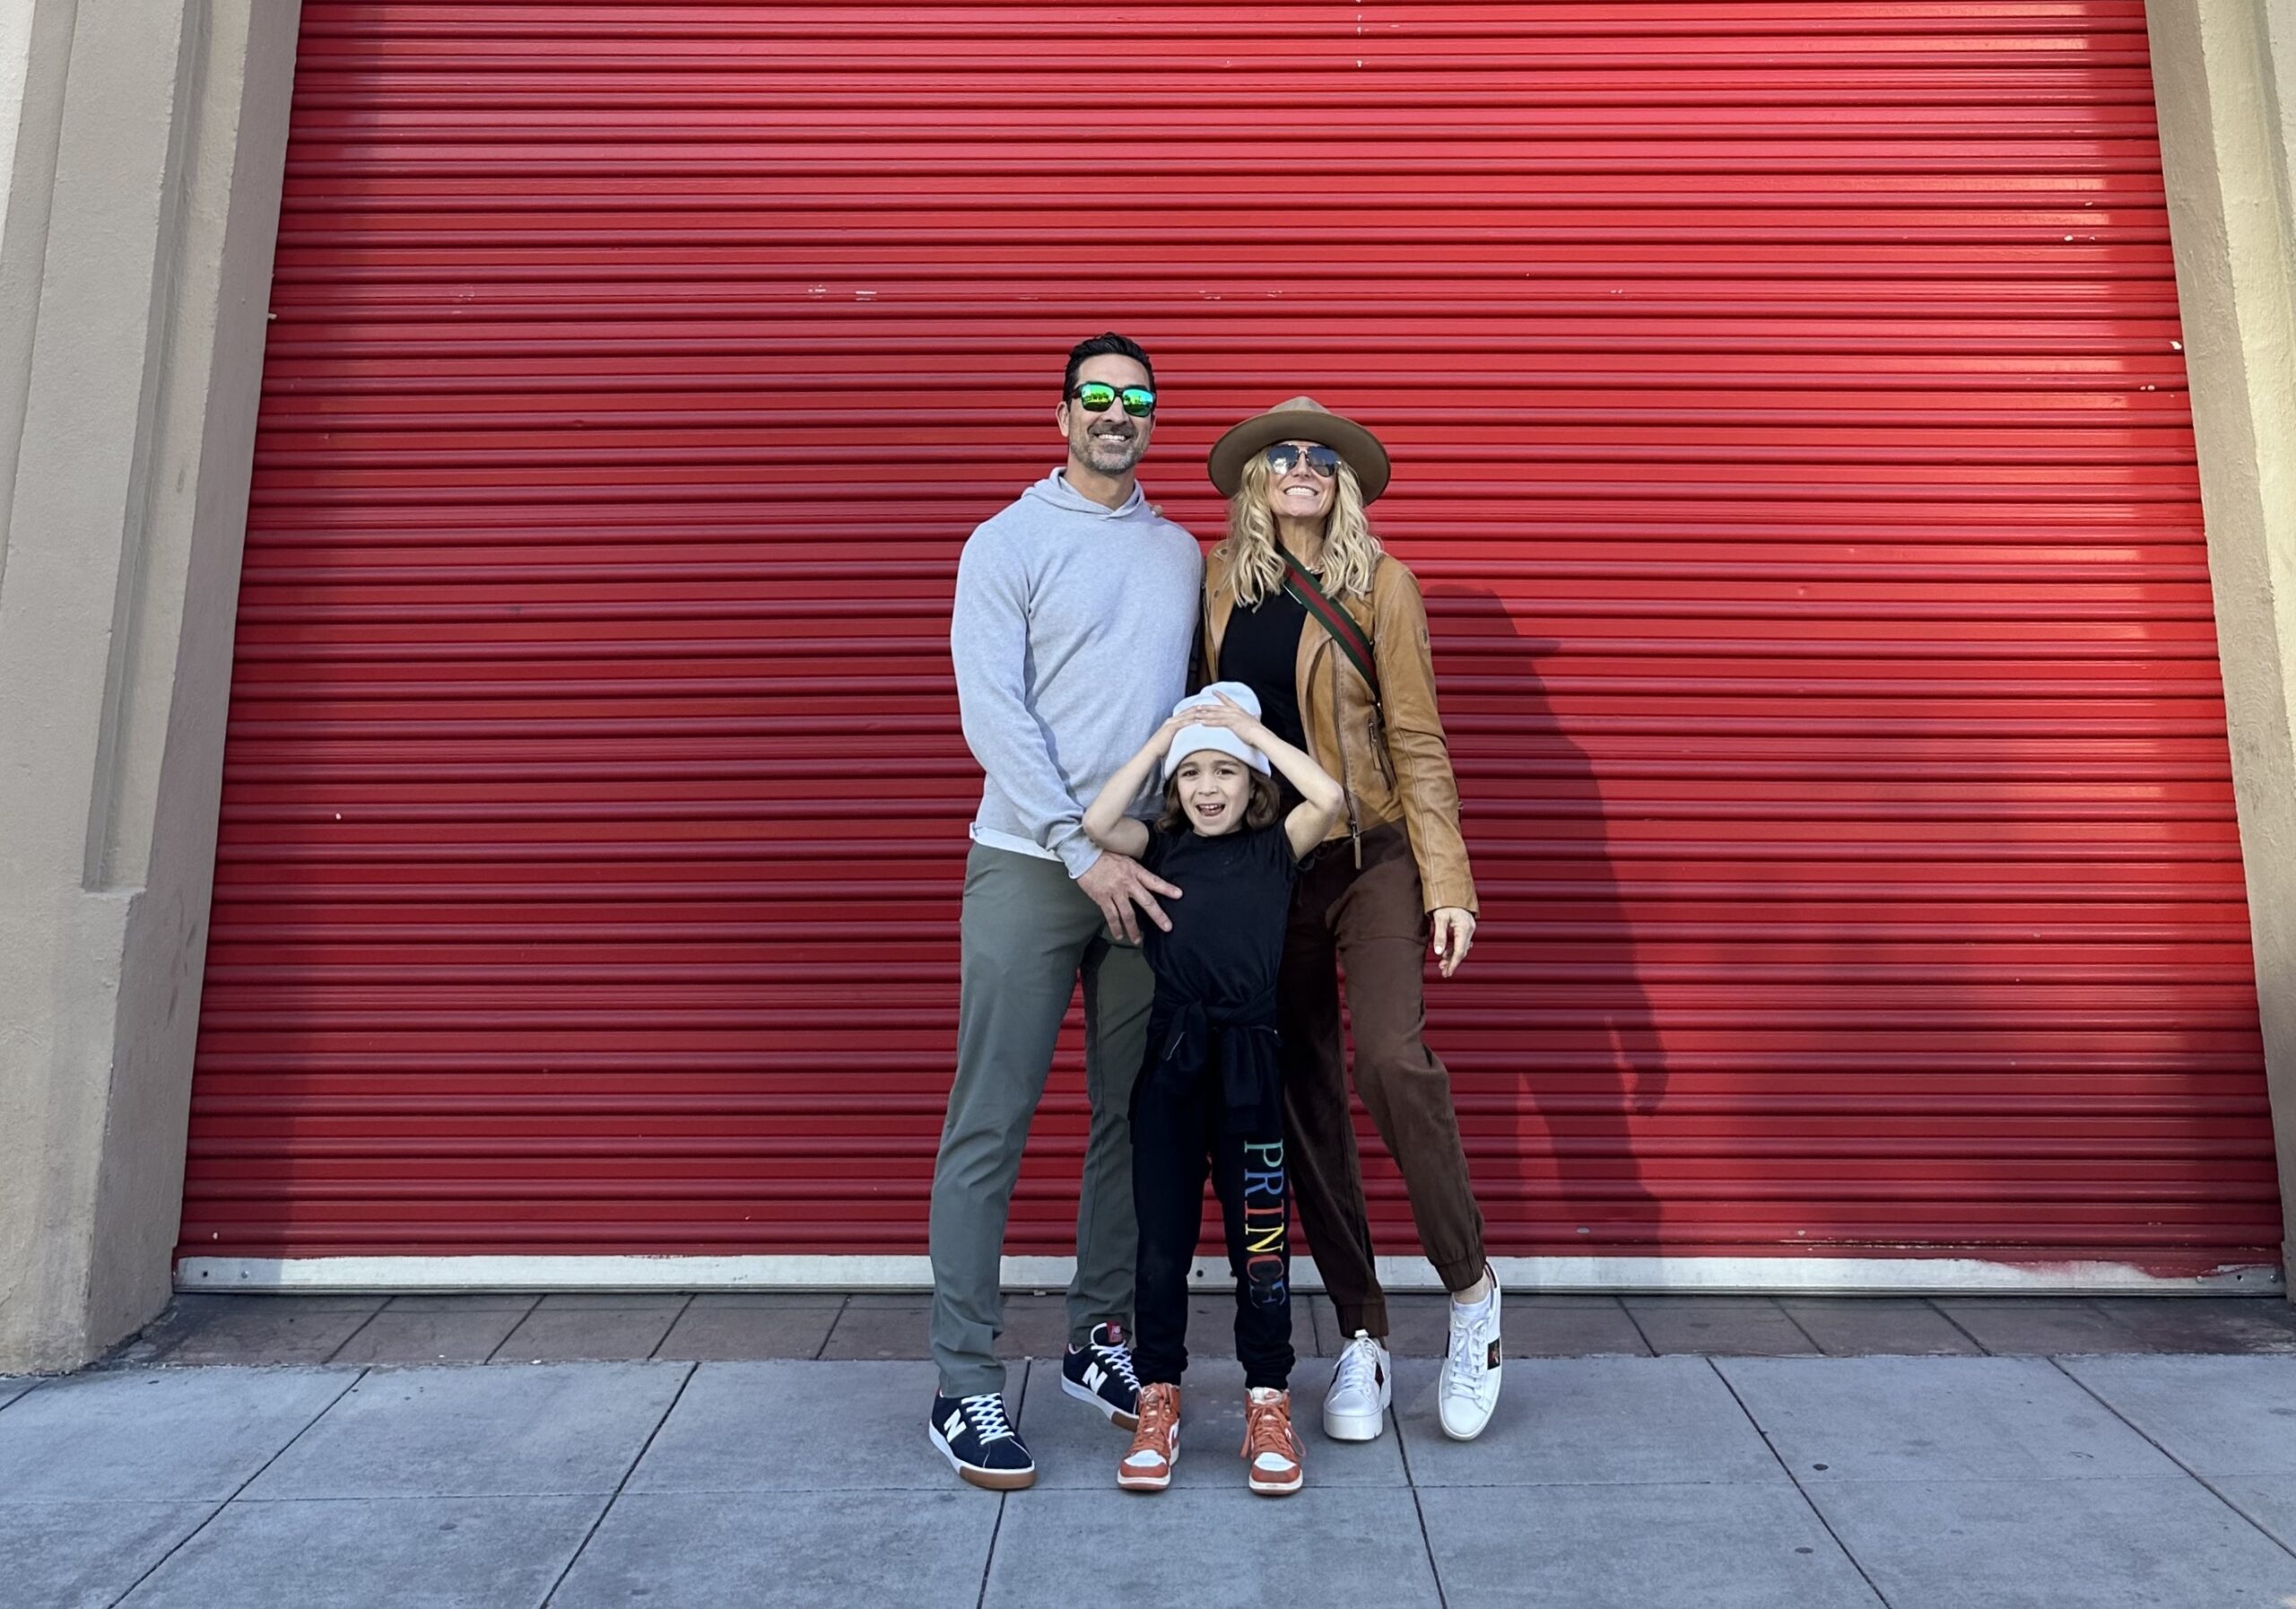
<point x="1147" y="1463"/>
<point x="1271" y="1450"/>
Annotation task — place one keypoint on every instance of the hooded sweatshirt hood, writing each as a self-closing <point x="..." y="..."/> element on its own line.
<point x="1055" y="489"/>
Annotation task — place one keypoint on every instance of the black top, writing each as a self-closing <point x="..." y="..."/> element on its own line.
<point x="1227" y="936"/>
<point x="1214" y="1011"/>
<point x="1262" y="651"/>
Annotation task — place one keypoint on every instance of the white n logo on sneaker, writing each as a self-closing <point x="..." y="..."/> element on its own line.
<point x="953" y="1426"/>
<point x="1094" y="1375"/>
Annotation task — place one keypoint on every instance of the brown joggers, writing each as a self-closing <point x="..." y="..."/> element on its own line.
<point x="1372" y="922"/>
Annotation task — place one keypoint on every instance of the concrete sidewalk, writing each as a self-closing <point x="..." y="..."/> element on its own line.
<point x="679" y="1327"/>
<point x="1785" y="1482"/>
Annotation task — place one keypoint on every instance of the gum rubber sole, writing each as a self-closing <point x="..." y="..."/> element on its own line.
<point x="1085" y="1394"/>
<point x="998" y="1480"/>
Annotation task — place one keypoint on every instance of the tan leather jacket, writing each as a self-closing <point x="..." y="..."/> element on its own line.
<point x="1398" y="768"/>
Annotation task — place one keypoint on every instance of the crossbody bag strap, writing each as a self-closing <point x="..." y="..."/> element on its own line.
<point x="1203" y="664"/>
<point x="1301" y="583"/>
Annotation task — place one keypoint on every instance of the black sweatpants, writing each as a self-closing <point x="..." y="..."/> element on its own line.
<point x="1174" y="1134"/>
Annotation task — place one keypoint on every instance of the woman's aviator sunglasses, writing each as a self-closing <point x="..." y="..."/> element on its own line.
<point x="1322" y="462"/>
<point x="1096" y="397"/>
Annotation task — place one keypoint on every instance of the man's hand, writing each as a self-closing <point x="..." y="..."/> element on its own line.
<point x="1118" y="883"/>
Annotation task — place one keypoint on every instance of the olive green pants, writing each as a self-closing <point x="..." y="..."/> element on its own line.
<point x="1030" y="933"/>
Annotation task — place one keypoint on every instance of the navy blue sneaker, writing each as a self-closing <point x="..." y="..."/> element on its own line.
<point x="1099" y="1372"/>
<point x="980" y="1443"/>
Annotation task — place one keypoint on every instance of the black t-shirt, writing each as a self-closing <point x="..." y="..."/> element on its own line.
<point x="1227" y="936"/>
<point x="1262" y="650"/>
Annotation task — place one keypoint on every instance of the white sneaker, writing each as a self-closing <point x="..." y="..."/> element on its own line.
<point x="1355" y="1408"/>
<point x="1470" y="1386"/>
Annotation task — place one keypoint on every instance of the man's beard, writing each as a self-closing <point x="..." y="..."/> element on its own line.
<point x="1112" y="455"/>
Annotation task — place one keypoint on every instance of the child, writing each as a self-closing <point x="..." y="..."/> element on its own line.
<point x="1211" y="1088"/>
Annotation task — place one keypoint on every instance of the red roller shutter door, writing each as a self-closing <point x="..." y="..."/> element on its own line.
<point x="1792" y="438"/>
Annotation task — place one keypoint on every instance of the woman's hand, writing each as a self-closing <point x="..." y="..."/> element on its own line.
<point x="1451" y="934"/>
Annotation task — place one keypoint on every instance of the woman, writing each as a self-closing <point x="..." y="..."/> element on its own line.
<point x="1301" y="605"/>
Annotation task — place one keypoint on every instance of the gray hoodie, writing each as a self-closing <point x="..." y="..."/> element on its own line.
<point x="1071" y="639"/>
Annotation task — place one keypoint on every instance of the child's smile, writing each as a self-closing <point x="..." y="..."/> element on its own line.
<point x="1215" y="789"/>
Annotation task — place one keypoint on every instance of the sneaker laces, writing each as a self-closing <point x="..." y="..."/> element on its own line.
<point x="986" y="1414"/>
<point x="1159" y="1411"/>
<point x="1358" y="1367"/>
<point x="1118" y="1359"/>
<point x="1268" y="1429"/>
<point x="1463" y="1377"/>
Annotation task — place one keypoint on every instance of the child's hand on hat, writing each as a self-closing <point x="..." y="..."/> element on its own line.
<point x="1226" y="714"/>
<point x="1229" y="716"/>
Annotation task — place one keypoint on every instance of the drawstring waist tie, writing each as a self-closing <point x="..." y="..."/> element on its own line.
<point x="1191" y="1036"/>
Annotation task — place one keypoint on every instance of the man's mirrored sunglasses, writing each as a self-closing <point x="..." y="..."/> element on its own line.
<point x="1322" y="462"/>
<point x="1096" y="397"/>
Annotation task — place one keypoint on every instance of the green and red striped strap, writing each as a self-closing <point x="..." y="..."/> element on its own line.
<point x="1301" y="583"/>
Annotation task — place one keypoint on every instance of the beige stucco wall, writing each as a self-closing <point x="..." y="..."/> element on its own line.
<point x="2224" y="76"/>
<point x="141" y="209"/>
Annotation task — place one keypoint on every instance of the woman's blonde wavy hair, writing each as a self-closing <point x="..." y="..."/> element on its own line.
<point x="1350" y="552"/>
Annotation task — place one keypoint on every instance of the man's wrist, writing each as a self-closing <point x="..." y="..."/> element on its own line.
<point x="1079" y="858"/>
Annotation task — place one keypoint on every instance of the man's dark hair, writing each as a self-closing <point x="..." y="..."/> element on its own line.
<point x="1110" y="344"/>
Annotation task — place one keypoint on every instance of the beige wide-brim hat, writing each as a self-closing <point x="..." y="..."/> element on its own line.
<point x="1301" y="419"/>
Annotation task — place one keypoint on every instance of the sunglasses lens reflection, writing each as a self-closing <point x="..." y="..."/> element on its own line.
<point x="1322" y="461"/>
<point x="1095" y="397"/>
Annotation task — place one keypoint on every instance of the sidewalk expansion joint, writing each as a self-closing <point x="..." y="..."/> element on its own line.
<point x="1801" y="1490"/>
<point x="2204" y="1483"/>
<point x="189" y="1537"/>
<point x="607" y="1508"/>
<point x="1960" y="1328"/>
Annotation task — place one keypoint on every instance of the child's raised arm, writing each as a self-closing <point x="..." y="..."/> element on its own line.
<point x="1105" y="822"/>
<point x="1320" y="797"/>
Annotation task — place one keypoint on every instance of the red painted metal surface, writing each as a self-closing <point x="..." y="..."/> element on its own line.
<point x="1791" y="434"/>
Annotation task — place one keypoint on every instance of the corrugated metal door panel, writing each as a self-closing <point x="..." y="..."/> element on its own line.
<point x="1792" y="438"/>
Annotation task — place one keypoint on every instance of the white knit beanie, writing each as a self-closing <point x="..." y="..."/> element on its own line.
<point x="1195" y="740"/>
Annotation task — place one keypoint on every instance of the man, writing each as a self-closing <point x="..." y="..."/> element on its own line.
<point x="1076" y="610"/>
